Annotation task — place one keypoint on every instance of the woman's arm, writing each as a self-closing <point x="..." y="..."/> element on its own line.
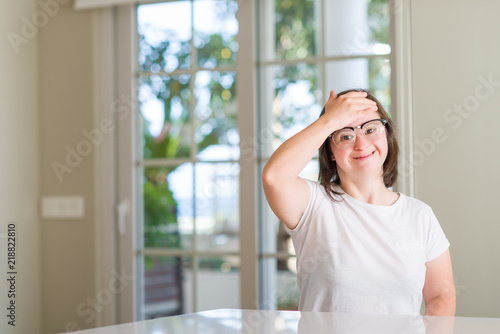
<point x="288" y="194"/>
<point x="439" y="288"/>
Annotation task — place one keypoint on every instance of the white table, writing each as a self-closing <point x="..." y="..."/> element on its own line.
<point x="274" y="322"/>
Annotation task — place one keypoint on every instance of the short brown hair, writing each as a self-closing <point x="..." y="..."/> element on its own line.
<point x="328" y="173"/>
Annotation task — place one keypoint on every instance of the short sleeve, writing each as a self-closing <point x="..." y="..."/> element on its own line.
<point x="436" y="241"/>
<point x="313" y="187"/>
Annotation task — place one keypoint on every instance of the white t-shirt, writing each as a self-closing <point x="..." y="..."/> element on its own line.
<point x="357" y="257"/>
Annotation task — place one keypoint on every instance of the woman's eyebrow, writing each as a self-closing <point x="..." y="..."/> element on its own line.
<point x="349" y="127"/>
<point x="353" y="126"/>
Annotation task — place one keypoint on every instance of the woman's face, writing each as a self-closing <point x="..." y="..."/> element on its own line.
<point x="365" y="157"/>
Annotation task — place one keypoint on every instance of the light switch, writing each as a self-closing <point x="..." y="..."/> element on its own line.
<point x="63" y="207"/>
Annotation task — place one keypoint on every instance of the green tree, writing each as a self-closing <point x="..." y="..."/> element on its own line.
<point x="213" y="122"/>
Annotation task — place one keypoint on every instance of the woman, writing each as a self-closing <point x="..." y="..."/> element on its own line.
<point x="361" y="248"/>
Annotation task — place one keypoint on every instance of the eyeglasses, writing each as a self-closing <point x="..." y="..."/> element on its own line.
<point x="371" y="130"/>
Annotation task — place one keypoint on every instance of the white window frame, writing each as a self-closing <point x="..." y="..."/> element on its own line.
<point x="248" y="173"/>
<point x="121" y="44"/>
<point x="116" y="183"/>
<point x="400" y="40"/>
<point x="401" y="91"/>
<point x="114" y="95"/>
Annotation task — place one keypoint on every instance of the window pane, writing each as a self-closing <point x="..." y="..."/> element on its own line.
<point x="380" y="80"/>
<point x="165" y="32"/>
<point x="346" y="74"/>
<point x="215" y="30"/>
<point x="217" y="206"/>
<point x="164" y="104"/>
<point x="373" y="74"/>
<point x="291" y="97"/>
<point x="189" y="198"/>
<point x="167" y="286"/>
<point x="280" y="284"/>
<point x="356" y="27"/>
<point x="216" y="130"/>
<point x="218" y="283"/>
<point x="168" y="207"/>
<point x="291" y="100"/>
<point x="288" y="29"/>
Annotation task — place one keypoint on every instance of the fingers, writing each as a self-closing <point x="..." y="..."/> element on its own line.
<point x="333" y="96"/>
<point x="354" y="97"/>
<point x="349" y="106"/>
<point x="360" y="103"/>
<point x="356" y="94"/>
<point x="371" y="108"/>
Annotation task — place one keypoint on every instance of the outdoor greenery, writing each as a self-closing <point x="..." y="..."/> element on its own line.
<point x="212" y="121"/>
<point x="379" y="68"/>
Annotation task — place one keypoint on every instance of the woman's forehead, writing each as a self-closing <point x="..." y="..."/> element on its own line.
<point x="368" y="117"/>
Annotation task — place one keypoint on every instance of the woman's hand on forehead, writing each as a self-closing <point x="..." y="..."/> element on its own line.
<point x="348" y="108"/>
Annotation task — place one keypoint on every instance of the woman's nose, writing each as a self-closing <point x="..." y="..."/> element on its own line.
<point x="361" y="142"/>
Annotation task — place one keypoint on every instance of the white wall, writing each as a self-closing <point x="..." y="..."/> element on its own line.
<point x="454" y="44"/>
<point x="66" y="109"/>
<point x="19" y="178"/>
<point x="46" y="102"/>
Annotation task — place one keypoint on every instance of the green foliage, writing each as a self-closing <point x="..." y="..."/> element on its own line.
<point x="295" y="38"/>
<point x="222" y="55"/>
<point x="160" y="210"/>
<point x="154" y="57"/>
<point x="378" y="21"/>
<point x="378" y="81"/>
<point x="212" y="124"/>
<point x="210" y="263"/>
<point x="295" y="29"/>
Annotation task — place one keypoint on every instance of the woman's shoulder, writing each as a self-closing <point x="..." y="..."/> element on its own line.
<point x="315" y="187"/>
<point x="415" y="203"/>
<point x="320" y="192"/>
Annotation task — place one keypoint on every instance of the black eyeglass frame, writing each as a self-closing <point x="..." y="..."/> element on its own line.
<point x="383" y="120"/>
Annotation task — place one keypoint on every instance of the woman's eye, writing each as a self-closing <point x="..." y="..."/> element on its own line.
<point x="346" y="137"/>
<point x="370" y="131"/>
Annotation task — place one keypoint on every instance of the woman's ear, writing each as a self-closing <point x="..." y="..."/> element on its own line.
<point x="332" y="157"/>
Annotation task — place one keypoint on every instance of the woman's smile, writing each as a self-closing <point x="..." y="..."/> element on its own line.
<point x="364" y="157"/>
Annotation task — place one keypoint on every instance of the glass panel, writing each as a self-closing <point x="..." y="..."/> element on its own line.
<point x="215" y="30"/>
<point x="280" y="284"/>
<point x="218" y="283"/>
<point x="216" y="130"/>
<point x="379" y="20"/>
<point x="164" y="104"/>
<point x="168" y="207"/>
<point x="288" y="29"/>
<point x="165" y="32"/>
<point x="291" y="100"/>
<point x="373" y="74"/>
<point x="380" y="80"/>
<point x="167" y="286"/>
<point x="217" y="206"/>
<point x="347" y="74"/>
<point x="356" y="27"/>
